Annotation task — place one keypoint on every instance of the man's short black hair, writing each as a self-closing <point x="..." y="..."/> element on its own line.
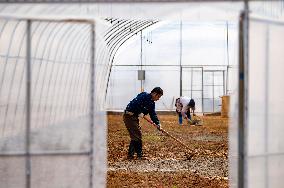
<point x="191" y="103"/>
<point x="157" y="90"/>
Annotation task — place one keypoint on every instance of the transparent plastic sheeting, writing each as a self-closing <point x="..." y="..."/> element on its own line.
<point x="141" y="11"/>
<point x="265" y="141"/>
<point x="201" y="48"/>
<point x="60" y="129"/>
<point x="188" y="43"/>
<point x="126" y="85"/>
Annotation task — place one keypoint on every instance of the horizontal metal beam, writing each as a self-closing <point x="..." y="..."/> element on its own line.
<point x="184" y="66"/>
<point x="267" y="20"/>
<point x="112" y="1"/>
<point x="53" y="153"/>
<point x="48" y="19"/>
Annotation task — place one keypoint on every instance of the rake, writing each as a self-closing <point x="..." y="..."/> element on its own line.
<point x="188" y="155"/>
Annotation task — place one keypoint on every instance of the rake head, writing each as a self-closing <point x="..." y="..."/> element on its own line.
<point x="189" y="156"/>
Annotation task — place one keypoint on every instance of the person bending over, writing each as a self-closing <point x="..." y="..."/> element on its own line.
<point x="183" y="107"/>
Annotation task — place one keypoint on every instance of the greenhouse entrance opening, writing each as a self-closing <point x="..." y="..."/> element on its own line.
<point x="185" y="56"/>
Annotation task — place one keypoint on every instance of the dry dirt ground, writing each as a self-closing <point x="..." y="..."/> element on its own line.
<point x="166" y="164"/>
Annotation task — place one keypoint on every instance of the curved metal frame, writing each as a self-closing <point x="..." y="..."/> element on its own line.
<point x="120" y="37"/>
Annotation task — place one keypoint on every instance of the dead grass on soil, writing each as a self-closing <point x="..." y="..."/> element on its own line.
<point x="210" y="142"/>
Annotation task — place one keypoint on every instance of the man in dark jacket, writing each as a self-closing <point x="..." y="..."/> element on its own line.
<point x="141" y="105"/>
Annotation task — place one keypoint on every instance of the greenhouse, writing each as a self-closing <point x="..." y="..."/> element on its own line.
<point x="68" y="71"/>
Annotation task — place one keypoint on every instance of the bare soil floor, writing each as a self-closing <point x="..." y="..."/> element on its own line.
<point x="166" y="164"/>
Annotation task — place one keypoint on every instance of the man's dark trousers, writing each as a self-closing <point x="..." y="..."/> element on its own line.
<point x="132" y="124"/>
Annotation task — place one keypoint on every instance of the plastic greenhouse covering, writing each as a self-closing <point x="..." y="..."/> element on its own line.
<point x="265" y="127"/>
<point x="169" y="48"/>
<point x="63" y="66"/>
<point x="60" y="101"/>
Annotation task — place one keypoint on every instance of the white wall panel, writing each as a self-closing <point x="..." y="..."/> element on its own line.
<point x="265" y="109"/>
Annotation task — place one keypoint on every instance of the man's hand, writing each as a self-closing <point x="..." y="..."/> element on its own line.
<point x="159" y="127"/>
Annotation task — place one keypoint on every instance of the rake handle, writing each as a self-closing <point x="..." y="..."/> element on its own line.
<point x="168" y="134"/>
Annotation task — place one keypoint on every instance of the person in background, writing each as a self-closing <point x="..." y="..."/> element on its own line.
<point x="183" y="107"/>
<point x="141" y="105"/>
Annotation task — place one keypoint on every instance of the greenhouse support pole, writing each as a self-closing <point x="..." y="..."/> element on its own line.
<point x="202" y="101"/>
<point x="141" y="59"/>
<point x="28" y="103"/>
<point x="227" y="79"/>
<point x="224" y="89"/>
<point x="241" y="109"/>
<point x="213" y="89"/>
<point x="191" y="82"/>
<point x="180" y="61"/>
<point x="243" y="100"/>
<point x="228" y="57"/>
<point x="92" y="105"/>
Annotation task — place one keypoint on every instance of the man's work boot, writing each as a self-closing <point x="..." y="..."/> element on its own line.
<point x="131" y="150"/>
<point x="129" y="157"/>
<point x="138" y="148"/>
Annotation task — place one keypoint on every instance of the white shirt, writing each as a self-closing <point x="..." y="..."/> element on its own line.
<point x="182" y="105"/>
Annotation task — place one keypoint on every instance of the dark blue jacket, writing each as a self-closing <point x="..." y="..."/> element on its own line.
<point x="143" y="103"/>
